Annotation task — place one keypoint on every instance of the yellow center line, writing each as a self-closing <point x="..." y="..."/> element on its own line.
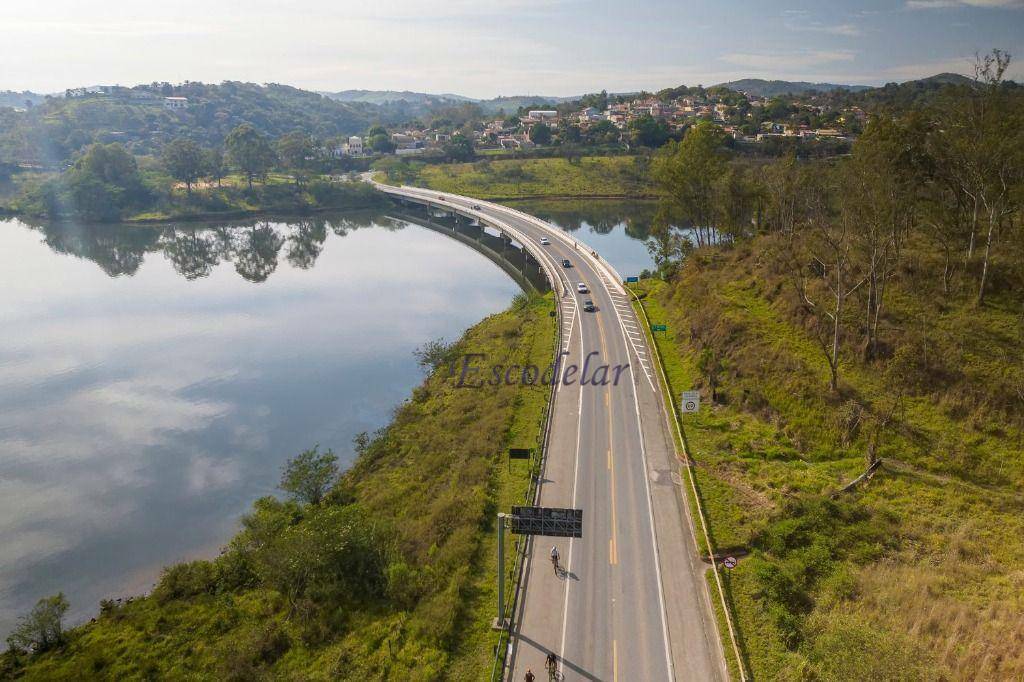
<point x="615" y="660"/>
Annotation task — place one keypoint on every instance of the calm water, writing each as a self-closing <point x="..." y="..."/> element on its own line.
<point x="617" y="230"/>
<point x="154" y="380"/>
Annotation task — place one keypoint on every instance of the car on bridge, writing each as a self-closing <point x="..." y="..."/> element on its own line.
<point x="582" y="288"/>
<point x="440" y="197"/>
<point x="589" y="307"/>
<point x="544" y="241"/>
<point x="476" y="207"/>
<point x="566" y="263"/>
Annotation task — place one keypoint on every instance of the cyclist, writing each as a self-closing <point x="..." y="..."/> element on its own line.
<point x="552" y="665"/>
<point x="554" y="558"/>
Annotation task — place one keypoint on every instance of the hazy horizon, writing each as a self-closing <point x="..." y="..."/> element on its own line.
<point x="533" y="47"/>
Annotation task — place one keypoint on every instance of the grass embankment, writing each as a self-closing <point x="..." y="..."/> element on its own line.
<point x="918" y="573"/>
<point x="390" y="577"/>
<point x="590" y="176"/>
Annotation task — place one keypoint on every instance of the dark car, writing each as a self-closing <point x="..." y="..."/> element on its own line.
<point x="588" y="306"/>
<point x="476" y="207"/>
<point x="566" y="263"/>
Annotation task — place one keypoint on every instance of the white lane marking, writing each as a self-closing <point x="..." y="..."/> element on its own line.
<point x="650" y="517"/>
<point x="575" y="476"/>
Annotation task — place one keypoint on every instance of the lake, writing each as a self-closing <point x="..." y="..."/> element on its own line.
<point x="154" y="379"/>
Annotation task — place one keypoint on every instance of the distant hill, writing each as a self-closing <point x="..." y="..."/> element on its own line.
<point x="513" y="102"/>
<point x="58" y="128"/>
<point x="765" y="88"/>
<point x="10" y="98"/>
<point x="944" y="79"/>
<point x="392" y="96"/>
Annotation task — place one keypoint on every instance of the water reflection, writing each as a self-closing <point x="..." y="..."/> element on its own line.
<point x="618" y="230"/>
<point x="150" y="389"/>
<point x="254" y="247"/>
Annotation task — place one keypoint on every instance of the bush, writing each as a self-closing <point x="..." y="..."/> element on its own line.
<point x="186" y="580"/>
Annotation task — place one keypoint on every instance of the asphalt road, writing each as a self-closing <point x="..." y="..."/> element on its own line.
<point x="632" y="602"/>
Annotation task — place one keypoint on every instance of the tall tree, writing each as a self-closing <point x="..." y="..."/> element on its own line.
<point x="249" y="151"/>
<point x="878" y="186"/>
<point x="295" y="151"/>
<point x="184" y="160"/>
<point x="214" y="165"/>
<point x="685" y="174"/>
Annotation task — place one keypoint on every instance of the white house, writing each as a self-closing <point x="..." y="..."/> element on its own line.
<point x="175" y="102"/>
<point x="542" y="115"/>
<point x="355" y="146"/>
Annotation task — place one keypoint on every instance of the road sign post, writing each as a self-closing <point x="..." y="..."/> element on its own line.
<point x="632" y="280"/>
<point x="659" y="328"/>
<point x="691" y="402"/>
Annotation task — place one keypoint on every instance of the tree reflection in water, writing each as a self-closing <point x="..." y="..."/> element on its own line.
<point x="253" y="247"/>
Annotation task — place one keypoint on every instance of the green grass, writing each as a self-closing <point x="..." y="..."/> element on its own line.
<point x="922" y="565"/>
<point x="597" y="176"/>
<point x="429" y="485"/>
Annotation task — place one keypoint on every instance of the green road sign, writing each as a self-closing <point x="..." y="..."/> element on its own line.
<point x="659" y="327"/>
<point x="632" y="279"/>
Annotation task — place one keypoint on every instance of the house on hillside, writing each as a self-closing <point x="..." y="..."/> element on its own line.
<point x="175" y="103"/>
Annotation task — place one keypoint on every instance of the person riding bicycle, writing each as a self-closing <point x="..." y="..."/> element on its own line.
<point x="554" y="558"/>
<point x="551" y="664"/>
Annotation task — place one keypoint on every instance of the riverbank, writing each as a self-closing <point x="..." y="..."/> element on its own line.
<point x="391" y="576"/>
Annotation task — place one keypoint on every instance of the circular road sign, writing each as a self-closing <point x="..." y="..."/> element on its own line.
<point x="729" y="562"/>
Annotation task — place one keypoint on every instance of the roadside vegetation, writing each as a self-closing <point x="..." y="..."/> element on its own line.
<point x="385" y="571"/>
<point x="853" y="319"/>
<point x="588" y="176"/>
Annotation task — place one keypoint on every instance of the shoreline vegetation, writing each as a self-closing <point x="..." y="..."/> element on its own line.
<point x="384" y="572"/>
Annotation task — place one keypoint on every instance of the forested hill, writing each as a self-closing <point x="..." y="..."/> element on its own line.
<point x="53" y="131"/>
<point x="766" y="88"/>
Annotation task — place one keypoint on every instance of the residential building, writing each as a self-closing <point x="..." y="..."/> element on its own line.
<point x="175" y="102"/>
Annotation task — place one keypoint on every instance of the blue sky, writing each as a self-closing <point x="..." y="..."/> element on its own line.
<point x="485" y="48"/>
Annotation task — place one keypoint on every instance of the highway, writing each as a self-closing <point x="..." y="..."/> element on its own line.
<point x="632" y="602"/>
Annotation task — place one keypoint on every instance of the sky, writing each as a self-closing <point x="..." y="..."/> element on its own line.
<point x="485" y="48"/>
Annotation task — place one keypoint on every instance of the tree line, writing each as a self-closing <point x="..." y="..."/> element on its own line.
<point x="107" y="182"/>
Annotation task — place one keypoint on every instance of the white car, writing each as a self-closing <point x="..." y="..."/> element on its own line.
<point x="582" y="288"/>
<point x="544" y="241"/>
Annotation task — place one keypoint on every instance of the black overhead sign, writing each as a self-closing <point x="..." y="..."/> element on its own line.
<point x="559" y="523"/>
